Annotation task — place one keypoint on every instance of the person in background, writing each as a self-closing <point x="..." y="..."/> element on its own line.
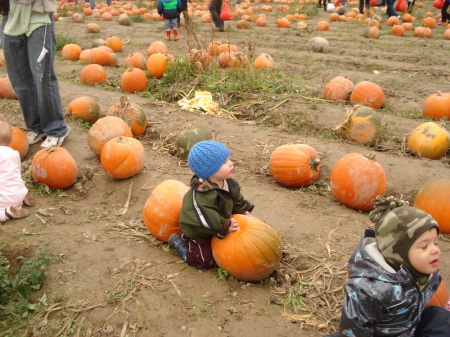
<point x="215" y="8"/>
<point x="207" y="207"/>
<point x="445" y="17"/>
<point x="28" y="40"/>
<point x="170" y="10"/>
<point x="393" y="274"/>
<point x="364" y="4"/>
<point x="13" y="192"/>
<point x="390" y="10"/>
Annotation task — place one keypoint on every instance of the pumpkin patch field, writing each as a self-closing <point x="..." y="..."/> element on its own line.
<point x="321" y="110"/>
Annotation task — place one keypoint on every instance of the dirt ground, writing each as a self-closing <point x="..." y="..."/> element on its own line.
<point x="109" y="277"/>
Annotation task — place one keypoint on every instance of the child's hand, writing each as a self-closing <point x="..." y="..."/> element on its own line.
<point x="247" y="213"/>
<point x="233" y="227"/>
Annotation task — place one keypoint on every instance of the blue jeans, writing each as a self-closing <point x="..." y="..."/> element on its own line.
<point x="390" y="11"/>
<point x="92" y="2"/>
<point x="35" y="83"/>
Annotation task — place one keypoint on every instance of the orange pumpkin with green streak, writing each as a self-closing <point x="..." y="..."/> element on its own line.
<point x="250" y="254"/>
<point x="131" y="113"/>
<point x="362" y="124"/>
<point x="429" y="140"/>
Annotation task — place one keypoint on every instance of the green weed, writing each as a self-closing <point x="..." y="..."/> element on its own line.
<point x="16" y="287"/>
<point x="297" y="297"/>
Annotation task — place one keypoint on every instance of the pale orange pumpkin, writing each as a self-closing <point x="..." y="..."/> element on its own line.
<point x="54" y="167"/>
<point x="93" y="73"/>
<point x="356" y="180"/>
<point x="161" y="212"/>
<point x="105" y="129"/>
<point x="157" y="47"/>
<point x="136" y="60"/>
<point x="338" y="89"/>
<point x="71" y="52"/>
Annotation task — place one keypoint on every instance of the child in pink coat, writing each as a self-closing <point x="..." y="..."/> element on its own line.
<point x="13" y="192"/>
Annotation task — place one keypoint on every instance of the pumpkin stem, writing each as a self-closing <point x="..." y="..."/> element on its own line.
<point x="314" y="163"/>
<point x="371" y="155"/>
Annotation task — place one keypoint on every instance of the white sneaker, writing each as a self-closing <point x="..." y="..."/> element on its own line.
<point x="55" y="141"/>
<point x="34" y="137"/>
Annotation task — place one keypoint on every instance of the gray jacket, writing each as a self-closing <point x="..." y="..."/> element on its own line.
<point x="378" y="300"/>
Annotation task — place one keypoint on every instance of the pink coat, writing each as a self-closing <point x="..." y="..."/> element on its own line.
<point x="12" y="187"/>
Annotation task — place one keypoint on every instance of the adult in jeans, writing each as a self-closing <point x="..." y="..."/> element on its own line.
<point x="390" y="10"/>
<point x="28" y="41"/>
<point x="215" y="8"/>
<point x="444" y="13"/>
<point x="362" y="4"/>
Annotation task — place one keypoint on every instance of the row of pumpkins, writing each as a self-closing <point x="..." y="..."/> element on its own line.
<point x="134" y="79"/>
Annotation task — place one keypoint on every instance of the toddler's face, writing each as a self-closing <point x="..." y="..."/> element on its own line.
<point x="225" y="171"/>
<point x="424" y="253"/>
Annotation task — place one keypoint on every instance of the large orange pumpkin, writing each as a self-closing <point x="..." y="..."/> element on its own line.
<point x="54" y="167"/>
<point x="131" y="113"/>
<point x="437" y="105"/>
<point x="85" y="108"/>
<point x="434" y="198"/>
<point x="122" y="157"/>
<point x="19" y="141"/>
<point x="356" y="180"/>
<point x="161" y="213"/>
<point x="362" y="124"/>
<point x="429" y="140"/>
<point x="105" y="129"/>
<point x="441" y="297"/>
<point x="295" y="165"/>
<point x="338" y="89"/>
<point x="367" y="93"/>
<point x="250" y="254"/>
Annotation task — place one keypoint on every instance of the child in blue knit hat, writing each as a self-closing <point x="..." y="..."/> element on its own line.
<point x="209" y="204"/>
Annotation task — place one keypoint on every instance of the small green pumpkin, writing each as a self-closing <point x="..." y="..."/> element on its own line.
<point x="188" y="138"/>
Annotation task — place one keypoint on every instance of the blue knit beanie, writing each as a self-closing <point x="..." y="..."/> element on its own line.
<point x="206" y="157"/>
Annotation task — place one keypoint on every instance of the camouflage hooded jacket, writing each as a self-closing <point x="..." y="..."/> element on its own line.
<point x="207" y="208"/>
<point x="379" y="302"/>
